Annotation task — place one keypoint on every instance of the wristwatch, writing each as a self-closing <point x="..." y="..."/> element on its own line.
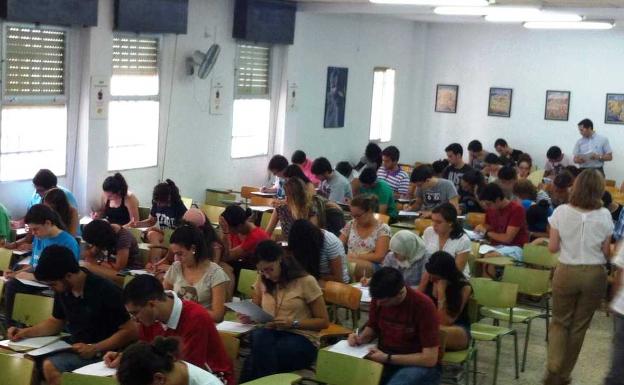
<point x="389" y="358"/>
<point x="295" y="324"/>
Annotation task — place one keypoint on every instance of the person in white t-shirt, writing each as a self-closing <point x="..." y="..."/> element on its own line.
<point x="616" y="374"/>
<point x="155" y="363"/>
<point x="581" y="231"/>
<point x="447" y="234"/>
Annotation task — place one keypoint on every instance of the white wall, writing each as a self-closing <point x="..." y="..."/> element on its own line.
<point x="477" y="57"/>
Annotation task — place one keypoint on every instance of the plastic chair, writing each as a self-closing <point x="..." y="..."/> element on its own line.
<point x="215" y="197"/>
<point x="538" y="255"/>
<point x="421" y="224"/>
<point x="5" y="259"/>
<point x="276" y="379"/>
<point x="16" y="370"/>
<point x="383" y="218"/>
<point x="213" y="212"/>
<point x="188" y="202"/>
<point x="536" y="177"/>
<point x="246" y="279"/>
<point x="495" y="294"/>
<point x="246" y="193"/>
<point x="231" y="344"/>
<point x="475" y="219"/>
<point x="260" y="201"/>
<point x="136" y="233"/>
<point x="167" y="236"/>
<point x="337" y="294"/>
<point x="610" y="182"/>
<point x="612" y="189"/>
<point x="532" y="282"/>
<point x="340" y="369"/>
<point x="69" y="378"/>
<point x="144" y="213"/>
<point x="31" y="309"/>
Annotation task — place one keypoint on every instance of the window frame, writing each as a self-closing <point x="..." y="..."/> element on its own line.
<point x="138" y="98"/>
<point x="268" y="96"/>
<point x="379" y="138"/>
<point x="32" y="100"/>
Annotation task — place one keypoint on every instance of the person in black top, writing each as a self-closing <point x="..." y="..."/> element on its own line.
<point x="456" y="168"/>
<point x="472" y="183"/>
<point x="119" y="206"/>
<point x="614" y="208"/>
<point x="371" y="158"/>
<point x="90" y="308"/>
<point x="450" y="291"/>
<point x="508" y="154"/>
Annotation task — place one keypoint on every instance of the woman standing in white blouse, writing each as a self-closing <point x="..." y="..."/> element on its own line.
<point x="581" y="231"/>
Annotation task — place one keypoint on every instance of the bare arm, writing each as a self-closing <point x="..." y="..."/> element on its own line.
<point x="127" y="333"/>
<point x="132" y="203"/>
<point x="320" y="318"/>
<point x="461" y="260"/>
<point x="272" y="223"/>
<point x="217" y="310"/>
<point x="149" y="222"/>
<point x="49" y="327"/>
<point x="381" y="249"/>
<point x="506" y="237"/>
<point x="554" y="242"/>
<point x="335" y="268"/>
<point x="455" y="202"/>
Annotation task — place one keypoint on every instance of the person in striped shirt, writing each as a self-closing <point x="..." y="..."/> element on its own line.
<point x="391" y="173"/>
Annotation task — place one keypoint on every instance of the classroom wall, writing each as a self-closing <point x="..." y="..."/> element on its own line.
<point x="477" y="57"/>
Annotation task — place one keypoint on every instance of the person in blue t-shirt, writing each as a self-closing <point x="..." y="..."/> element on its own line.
<point x="47" y="229"/>
<point x="44" y="181"/>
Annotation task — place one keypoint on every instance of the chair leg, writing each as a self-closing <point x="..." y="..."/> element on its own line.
<point x="466" y="370"/>
<point x="526" y="345"/>
<point x="474" y="374"/>
<point x="547" y="317"/>
<point x="498" y="346"/>
<point x="515" y="334"/>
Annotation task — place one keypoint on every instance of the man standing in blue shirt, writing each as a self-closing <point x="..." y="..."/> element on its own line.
<point x="591" y="150"/>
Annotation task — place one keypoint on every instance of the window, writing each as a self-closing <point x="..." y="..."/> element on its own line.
<point x="383" y="104"/>
<point x="252" y="101"/>
<point x="33" y="124"/>
<point x="133" y="115"/>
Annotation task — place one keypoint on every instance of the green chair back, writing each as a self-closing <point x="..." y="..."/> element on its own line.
<point x="213" y="212"/>
<point x="144" y="213"/>
<point x="266" y="217"/>
<point x="188" y="202"/>
<point x="494" y="294"/>
<point x="136" y="233"/>
<point x="167" y="236"/>
<point x="539" y="255"/>
<point x="5" y="259"/>
<point x="530" y="281"/>
<point x="246" y="279"/>
<point x="16" y="370"/>
<point x="127" y="279"/>
<point x="340" y="369"/>
<point x="31" y="309"/>
<point x="69" y="378"/>
<point x="214" y="197"/>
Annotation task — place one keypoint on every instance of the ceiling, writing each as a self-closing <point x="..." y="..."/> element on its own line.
<point x="590" y="9"/>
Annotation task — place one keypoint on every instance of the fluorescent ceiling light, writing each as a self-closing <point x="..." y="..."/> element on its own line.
<point x="569" y="25"/>
<point x="518" y="17"/>
<point x="435" y="3"/>
<point x="484" y="11"/>
<point x="461" y="11"/>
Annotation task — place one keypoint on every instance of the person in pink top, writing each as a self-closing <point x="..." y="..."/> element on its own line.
<point x="300" y="159"/>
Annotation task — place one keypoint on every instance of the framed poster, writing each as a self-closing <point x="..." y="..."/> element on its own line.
<point x="446" y="98"/>
<point x="335" y="97"/>
<point x="500" y="102"/>
<point x="557" y="105"/>
<point x="614" y="109"/>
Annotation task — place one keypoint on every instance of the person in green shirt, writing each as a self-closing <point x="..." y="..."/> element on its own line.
<point x="5" y="224"/>
<point x="379" y="188"/>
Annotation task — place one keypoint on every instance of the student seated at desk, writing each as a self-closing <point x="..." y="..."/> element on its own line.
<point x="505" y="224"/>
<point x="456" y="168"/>
<point x="295" y="300"/>
<point x="407" y="254"/>
<point x="334" y="186"/>
<point x="431" y="191"/>
<point x="476" y="155"/>
<point x="56" y="199"/>
<point x="561" y="188"/>
<point x="240" y="237"/>
<point x="370" y="184"/>
<point x="449" y="289"/>
<point x="366" y="237"/>
<point x="299" y="205"/>
<point x="537" y="209"/>
<point x="194" y="276"/>
<point x="391" y="173"/>
<point x="525" y="166"/>
<point x="118" y="205"/>
<point x="447" y="234"/>
<point x="294" y="171"/>
<point x="472" y="183"/>
<point x="508" y="155"/>
<point x="277" y="166"/>
<point x="300" y="160"/>
<point x="372" y="157"/>
<point x="86" y="306"/>
<point x="161" y="313"/>
<point x="47" y="229"/>
<point x="156" y="363"/>
<point x="492" y="164"/>
<point x="346" y="169"/>
<point x="319" y="252"/>
<point x="405" y="322"/>
<point x="556" y="161"/>
<point x="166" y="213"/>
<point x="110" y="249"/>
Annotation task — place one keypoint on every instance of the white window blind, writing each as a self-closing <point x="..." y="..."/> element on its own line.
<point x="33" y="122"/>
<point x="382" y="107"/>
<point x="134" y="108"/>
<point x="252" y="102"/>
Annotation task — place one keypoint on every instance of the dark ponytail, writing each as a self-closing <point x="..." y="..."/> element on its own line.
<point x="141" y="361"/>
<point x="449" y="213"/>
<point x="236" y="215"/>
<point x="39" y="214"/>
<point x="116" y="184"/>
<point x="57" y="200"/>
<point x="189" y="236"/>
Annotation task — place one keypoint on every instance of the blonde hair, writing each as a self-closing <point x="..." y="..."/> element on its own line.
<point x="587" y="190"/>
<point x="299" y="200"/>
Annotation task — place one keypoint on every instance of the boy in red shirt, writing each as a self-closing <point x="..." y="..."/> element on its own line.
<point x="406" y="324"/>
<point x="505" y="224"/>
<point x="161" y="313"/>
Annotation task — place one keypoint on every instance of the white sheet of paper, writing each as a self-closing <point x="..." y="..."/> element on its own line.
<point x="25" y="261"/>
<point x="474" y="236"/>
<point x="263" y="194"/>
<point x="53" y="347"/>
<point x="250" y="309"/>
<point x="484" y="249"/>
<point x="20" y="252"/>
<point x="32" y="283"/>
<point x="140" y="272"/>
<point x="21" y="231"/>
<point x="86" y="220"/>
<point x="261" y="208"/>
<point x="343" y="347"/>
<point x="404" y="213"/>
<point x="33" y="343"/>
<point x="98" y="369"/>
<point x="365" y="292"/>
<point x="234" y="327"/>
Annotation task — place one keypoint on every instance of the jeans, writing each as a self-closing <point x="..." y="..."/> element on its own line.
<point x="276" y="351"/>
<point x="577" y="292"/>
<point x="11" y="288"/>
<point x="616" y="374"/>
<point x="69" y="361"/>
<point x="411" y="375"/>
